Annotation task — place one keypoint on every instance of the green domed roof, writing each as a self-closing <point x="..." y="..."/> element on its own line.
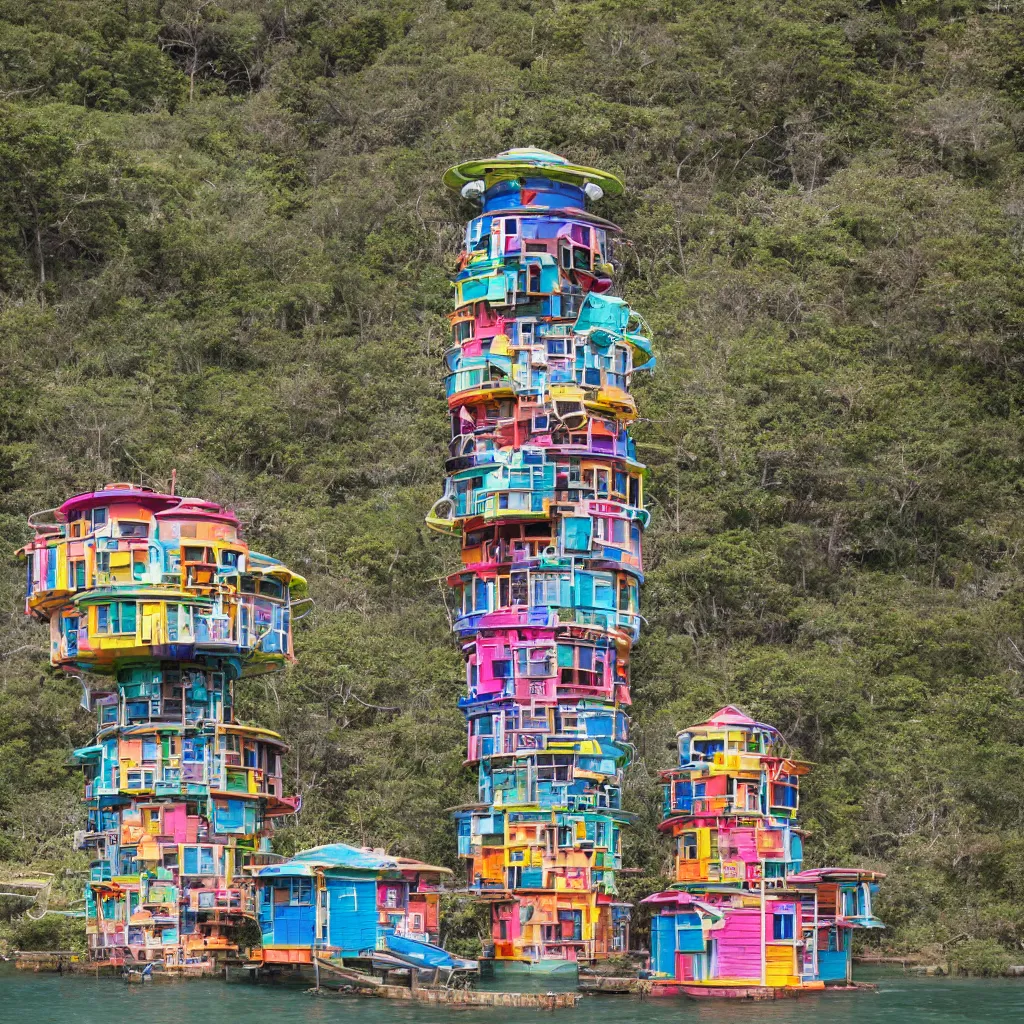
<point x="514" y="163"/>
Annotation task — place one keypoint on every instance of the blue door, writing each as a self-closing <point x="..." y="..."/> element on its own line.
<point x="663" y="948"/>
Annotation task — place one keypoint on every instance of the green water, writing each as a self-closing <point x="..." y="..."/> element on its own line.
<point x="49" y="999"/>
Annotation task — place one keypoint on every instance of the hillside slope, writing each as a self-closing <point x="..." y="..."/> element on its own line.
<point x="225" y="248"/>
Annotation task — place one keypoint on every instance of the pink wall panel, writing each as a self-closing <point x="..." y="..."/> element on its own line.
<point x="739" y="945"/>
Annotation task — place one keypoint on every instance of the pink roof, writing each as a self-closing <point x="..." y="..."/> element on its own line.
<point x="683" y="899"/>
<point x="198" y="508"/>
<point x="171" y="506"/>
<point x="836" y="875"/>
<point x="145" y="496"/>
<point x="670" y="897"/>
<point x="730" y="715"/>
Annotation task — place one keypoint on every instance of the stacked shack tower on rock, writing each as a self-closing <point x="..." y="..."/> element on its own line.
<point x="160" y="595"/>
<point x="545" y="493"/>
<point x="744" y="919"/>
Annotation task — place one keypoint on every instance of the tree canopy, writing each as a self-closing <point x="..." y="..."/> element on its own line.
<point x="225" y="250"/>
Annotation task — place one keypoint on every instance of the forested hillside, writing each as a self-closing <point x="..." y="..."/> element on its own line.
<point x="225" y="250"/>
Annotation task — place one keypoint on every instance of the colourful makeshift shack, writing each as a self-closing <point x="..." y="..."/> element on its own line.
<point x="545" y="493"/>
<point x="743" y="917"/>
<point x="161" y="595"/>
<point x="340" y="901"/>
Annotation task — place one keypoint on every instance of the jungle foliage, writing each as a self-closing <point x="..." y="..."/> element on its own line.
<point x="225" y="249"/>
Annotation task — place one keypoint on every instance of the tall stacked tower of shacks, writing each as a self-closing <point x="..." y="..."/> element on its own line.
<point x="545" y="493"/>
<point x="744" y="918"/>
<point x="160" y="596"/>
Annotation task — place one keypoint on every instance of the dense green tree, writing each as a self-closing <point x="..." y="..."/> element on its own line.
<point x="225" y="249"/>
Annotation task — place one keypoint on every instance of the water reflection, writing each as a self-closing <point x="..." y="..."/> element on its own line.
<point x="48" y="999"/>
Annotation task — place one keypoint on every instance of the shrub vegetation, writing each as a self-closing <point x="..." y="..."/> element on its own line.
<point x="225" y="249"/>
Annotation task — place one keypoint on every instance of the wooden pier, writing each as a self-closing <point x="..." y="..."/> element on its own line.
<point x="604" y="984"/>
<point x="56" y="961"/>
<point x="754" y="993"/>
<point x="341" y="975"/>
<point x="464" y="997"/>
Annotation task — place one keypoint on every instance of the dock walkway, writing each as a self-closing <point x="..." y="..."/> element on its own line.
<point x="465" y="997"/>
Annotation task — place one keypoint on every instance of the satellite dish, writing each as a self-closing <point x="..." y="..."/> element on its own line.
<point x="591" y="190"/>
<point x="475" y="189"/>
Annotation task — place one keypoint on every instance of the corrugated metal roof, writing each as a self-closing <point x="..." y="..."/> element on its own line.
<point x="333" y="855"/>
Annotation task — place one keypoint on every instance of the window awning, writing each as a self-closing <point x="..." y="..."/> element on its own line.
<point x="277" y="571"/>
